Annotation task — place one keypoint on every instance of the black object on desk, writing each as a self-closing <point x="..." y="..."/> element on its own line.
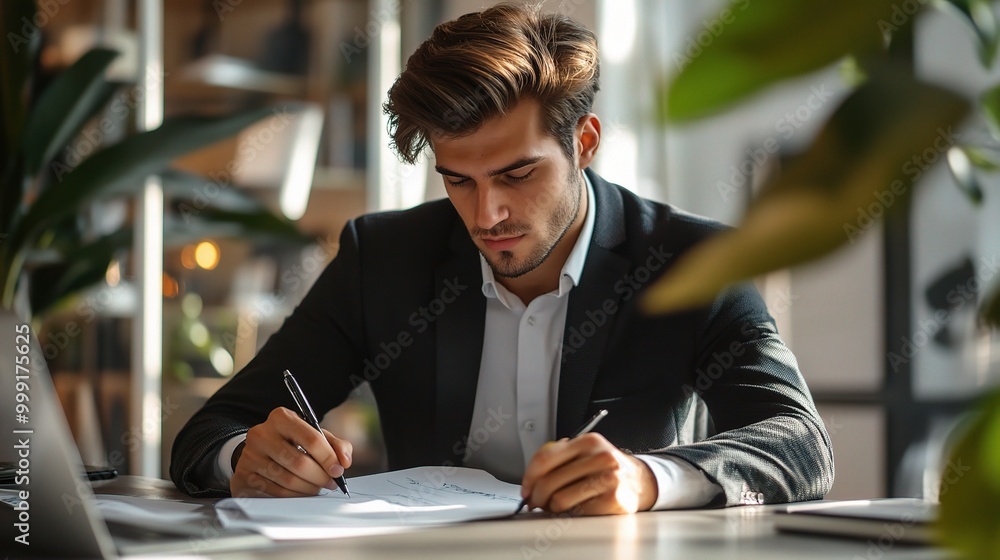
<point x="307" y="414"/>
<point x="8" y="472"/>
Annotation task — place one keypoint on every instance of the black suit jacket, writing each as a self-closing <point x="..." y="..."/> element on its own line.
<point x="401" y="307"/>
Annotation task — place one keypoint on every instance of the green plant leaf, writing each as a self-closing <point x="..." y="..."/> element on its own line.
<point x="17" y="58"/>
<point x="125" y="165"/>
<point x="85" y="266"/>
<point x="990" y="102"/>
<point x="985" y="158"/>
<point x="210" y="222"/>
<point x="981" y="18"/>
<point x="852" y="73"/>
<point x="260" y="222"/>
<point x="863" y="163"/>
<point x="970" y="486"/>
<point x="766" y="42"/>
<point x="65" y="106"/>
<point x="207" y="209"/>
<point x="198" y="192"/>
<point x="990" y="311"/>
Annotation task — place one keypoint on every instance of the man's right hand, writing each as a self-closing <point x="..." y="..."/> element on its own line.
<point x="272" y="466"/>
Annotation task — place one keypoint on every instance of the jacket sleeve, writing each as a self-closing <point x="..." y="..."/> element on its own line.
<point x="770" y="445"/>
<point x="320" y="342"/>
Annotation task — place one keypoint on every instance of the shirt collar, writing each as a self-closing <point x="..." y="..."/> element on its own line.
<point x="572" y="269"/>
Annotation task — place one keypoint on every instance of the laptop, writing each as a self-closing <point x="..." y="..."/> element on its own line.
<point x="902" y="520"/>
<point x="51" y="510"/>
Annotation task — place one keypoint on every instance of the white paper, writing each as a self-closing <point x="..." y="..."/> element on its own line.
<point x="386" y="502"/>
<point x="130" y="509"/>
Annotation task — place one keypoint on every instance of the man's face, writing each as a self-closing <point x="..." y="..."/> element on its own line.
<point x="514" y="188"/>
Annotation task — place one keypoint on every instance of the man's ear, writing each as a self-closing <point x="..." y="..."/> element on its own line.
<point x="588" y="139"/>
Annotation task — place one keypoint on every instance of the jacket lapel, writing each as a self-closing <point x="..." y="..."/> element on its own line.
<point x="584" y="340"/>
<point x="460" y="329"/>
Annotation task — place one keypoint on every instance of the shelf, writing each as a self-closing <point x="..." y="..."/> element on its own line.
<point x="339" y="179"/>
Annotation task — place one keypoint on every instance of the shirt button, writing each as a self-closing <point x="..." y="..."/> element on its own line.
<point x="529" y="426"/>
<point x="531" y="320"/>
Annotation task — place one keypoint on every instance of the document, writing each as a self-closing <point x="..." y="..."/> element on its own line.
<point x="131" y="509"/>
<point x="380" y="503"/>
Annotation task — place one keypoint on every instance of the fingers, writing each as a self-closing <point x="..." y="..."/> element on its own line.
<point x="249" y="483"/>
<point x="273" y="464"/>
<point x="270" y="457"/>
<point x="588" y="476"/>
<point x="343" y="450"/>
<point x="554" y="455"/>
<point x="575" y="471"/>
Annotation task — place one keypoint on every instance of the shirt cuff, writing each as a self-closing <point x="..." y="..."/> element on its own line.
<point x="679" y="484"/>
<point x="224" y="462"/>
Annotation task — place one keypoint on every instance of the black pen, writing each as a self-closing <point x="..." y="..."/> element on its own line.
<point x="307" y="414"/>
<point x="583" y="429"/>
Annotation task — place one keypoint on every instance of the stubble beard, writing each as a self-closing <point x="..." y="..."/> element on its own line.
<point x="559" y="222"/>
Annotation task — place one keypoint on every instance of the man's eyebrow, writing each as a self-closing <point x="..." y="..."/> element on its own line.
<point x="516" y="165"/>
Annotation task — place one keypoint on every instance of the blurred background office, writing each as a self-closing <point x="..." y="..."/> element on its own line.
<point x="890" y="373"/>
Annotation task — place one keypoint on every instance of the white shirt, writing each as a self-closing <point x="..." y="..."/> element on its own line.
<point x="517" y="392"/>
<point x="515" y="409"/>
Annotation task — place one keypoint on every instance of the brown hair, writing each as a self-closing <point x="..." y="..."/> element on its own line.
<point x="482" y="64"/>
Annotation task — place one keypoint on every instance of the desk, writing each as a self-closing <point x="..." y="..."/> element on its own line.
<point x="742" y="533"/>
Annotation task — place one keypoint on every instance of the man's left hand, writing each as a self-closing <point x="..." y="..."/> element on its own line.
<point x="587" y="475"/>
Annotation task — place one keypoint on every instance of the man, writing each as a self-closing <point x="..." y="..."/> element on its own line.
<point x="491" y="325"/>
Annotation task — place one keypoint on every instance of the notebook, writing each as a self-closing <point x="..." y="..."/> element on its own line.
<point x="51" y="510"/>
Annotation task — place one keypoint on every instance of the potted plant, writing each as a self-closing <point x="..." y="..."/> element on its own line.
<point x="42" y="242"/>
<point x="859" y="154"/>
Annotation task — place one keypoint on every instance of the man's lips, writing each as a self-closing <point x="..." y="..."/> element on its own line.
<point x="502" y="244"/>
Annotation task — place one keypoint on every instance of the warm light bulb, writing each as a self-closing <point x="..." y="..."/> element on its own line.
<point x="206" y="254"/>
<point x="187" y="257"/>
<point x="114" y="274"/>
<point x="222" y="361"/>
<point x="171" y="288"/>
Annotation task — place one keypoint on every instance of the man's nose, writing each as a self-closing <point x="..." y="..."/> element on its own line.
<point x="491" y="208"/>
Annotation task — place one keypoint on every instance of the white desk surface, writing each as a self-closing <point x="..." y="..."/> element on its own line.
<point x="743" y="533"/>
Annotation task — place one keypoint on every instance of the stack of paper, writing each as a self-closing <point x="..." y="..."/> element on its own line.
<point x="380" y="503"/>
